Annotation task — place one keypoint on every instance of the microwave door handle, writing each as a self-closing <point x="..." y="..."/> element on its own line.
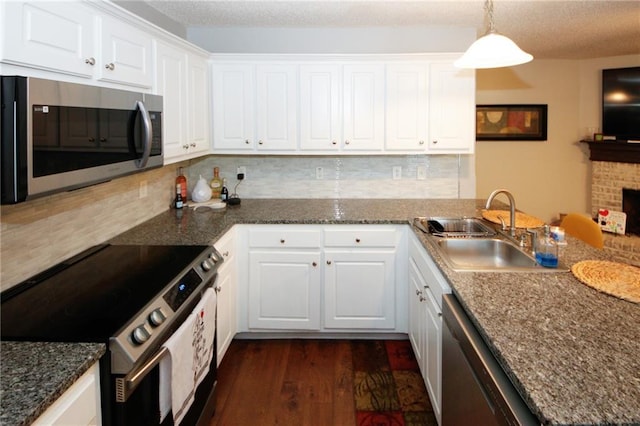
<point x="147" y="137"/>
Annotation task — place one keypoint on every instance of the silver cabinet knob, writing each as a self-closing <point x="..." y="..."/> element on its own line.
<point x="217" y="289"/>
<point x="435" y="142"/>
<point x="421" y="142"/>
<point x="347" y="142"/>
<point x="334" y="142"/>
<point x="314" y="264"/>
<point x="357" y="240"/>
<point x="247" y="141"/>
<point x="422" y="299"/>
<point x="418" y="292"/>
<point x="110" y="66"/>
<point x="260" y="142"/>
<point x="192" y="144"/>
<point x="282" y="241"/>
<point x="185" y="146"/>
<point x="226" y="254"/>
<point x="90" y="61"/>
<point x="328" y="262"/>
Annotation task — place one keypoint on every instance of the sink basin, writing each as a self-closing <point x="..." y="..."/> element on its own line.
<point x="488" y="254"/>
<point x="455" y="227"/>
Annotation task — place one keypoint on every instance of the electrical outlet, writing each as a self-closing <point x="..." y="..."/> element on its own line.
<point x="421" y="172"/>
<point x="142" y="189"/>
<point x="243" y="170"/>
<point x="319" y="173"/>
<point x="397" y="172"/>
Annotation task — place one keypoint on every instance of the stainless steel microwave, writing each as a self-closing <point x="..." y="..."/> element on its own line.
<point x="59" y="136"/>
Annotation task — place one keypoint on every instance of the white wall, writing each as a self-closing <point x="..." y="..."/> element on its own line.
<point x="549" y="177"/>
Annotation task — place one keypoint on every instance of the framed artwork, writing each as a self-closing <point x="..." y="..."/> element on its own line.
<point x="511" y="122"/>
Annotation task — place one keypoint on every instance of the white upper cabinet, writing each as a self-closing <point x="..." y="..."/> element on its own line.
<point x="277" y="109"/>
<point x="320" y="113"/>
<point x="52" y="36"/>
<point x="233" y="102"/>
<point x="198" y="104"/>
<point x="451" y="109"/>
<point x="406" y="107"/>
<point x="363" y="93"/>
<point x="125" y="54"/>
<point x="171" y="77"/>
<point x="74" y="39"/>
<point x="313" y="104"/>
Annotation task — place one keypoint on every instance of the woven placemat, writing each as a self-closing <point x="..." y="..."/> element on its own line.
<point x="523" y="220"/>
<point x="613" y="278"/>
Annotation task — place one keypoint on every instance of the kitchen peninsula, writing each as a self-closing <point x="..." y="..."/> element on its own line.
<point x="569" y="350"/>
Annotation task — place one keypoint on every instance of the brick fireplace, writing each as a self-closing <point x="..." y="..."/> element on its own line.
<point x="608" y="180"/>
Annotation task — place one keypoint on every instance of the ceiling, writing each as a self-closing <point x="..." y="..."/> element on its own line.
<point x="548" y="29"/>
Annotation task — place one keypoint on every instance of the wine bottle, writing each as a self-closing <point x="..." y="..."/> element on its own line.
<point x="179" y="201"/>
<point x="182" y="181"/>
<point x="216" y="183"/>
<point x="224" y="194"/>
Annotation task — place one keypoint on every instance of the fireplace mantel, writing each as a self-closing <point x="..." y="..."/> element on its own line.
<point x="618" y="152"/>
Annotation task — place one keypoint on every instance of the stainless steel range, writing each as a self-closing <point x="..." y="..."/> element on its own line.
<point x="132" y="298"/>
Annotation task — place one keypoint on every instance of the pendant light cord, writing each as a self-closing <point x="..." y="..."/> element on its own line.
<point x="488" y="8"/>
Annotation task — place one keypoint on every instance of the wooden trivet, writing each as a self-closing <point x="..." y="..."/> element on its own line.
<point x="613" y="278"/>
<point x="523" y="220"/>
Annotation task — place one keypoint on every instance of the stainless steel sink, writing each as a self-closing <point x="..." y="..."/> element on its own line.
<point x="455" y="227"/>
<point x="488" y="255"/>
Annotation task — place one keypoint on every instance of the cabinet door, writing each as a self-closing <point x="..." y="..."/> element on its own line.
<point x="276" y="108"/>
<point x="226" y="285"/>
<point x="320" y="116"/>
<point x="53" y="36"/>
<point x="171" y="77"/>
<point x="198" y="129"/>
<point x="451" y="109"/>
<point x="406" y="107"/>
<point x="359" y="289"/>
<point x="233" y="107"/>
<point x="417" y="316"/>
<point x="363" y="102"/>
<point x="125" y="54"/>
<point x="433" y="364"/>
<point x="284" y="290"/>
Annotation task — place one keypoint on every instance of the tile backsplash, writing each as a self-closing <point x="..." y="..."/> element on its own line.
<point x="38" y="234"/>
<point x="342" y="177"/>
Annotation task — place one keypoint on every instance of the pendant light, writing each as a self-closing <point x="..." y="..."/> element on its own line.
<point x="492" y="50"/>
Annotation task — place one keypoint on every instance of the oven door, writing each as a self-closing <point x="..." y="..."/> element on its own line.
<point x="134" y="398"/>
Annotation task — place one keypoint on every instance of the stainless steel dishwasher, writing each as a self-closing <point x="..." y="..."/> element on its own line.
<point x="475" y="389"/>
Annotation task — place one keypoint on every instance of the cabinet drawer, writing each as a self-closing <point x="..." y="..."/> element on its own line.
<point x="285" y="237"/>
<point x="226" y="245"/>
<point x="436" y="283"/>
<point x="360" y="237"/>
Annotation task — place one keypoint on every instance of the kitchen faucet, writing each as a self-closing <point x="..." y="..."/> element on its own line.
<point x="512" y="208"/>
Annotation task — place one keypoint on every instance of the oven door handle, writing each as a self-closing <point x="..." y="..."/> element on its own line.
<point x="127" y="384"/>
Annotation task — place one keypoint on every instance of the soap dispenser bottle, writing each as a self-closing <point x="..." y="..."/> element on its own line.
<point x="547" y="250"/>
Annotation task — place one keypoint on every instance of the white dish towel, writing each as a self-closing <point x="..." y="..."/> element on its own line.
<point x="190" y="353"/>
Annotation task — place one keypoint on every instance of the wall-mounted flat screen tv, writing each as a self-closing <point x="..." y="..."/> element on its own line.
<point x="621" y="103"/>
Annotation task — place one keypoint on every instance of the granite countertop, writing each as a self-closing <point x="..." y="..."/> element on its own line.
<point x="571" y="351"/>
<point x="34" y="375"/>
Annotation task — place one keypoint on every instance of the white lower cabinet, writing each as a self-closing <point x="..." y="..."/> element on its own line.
<point x="79" y="405"/>
<point x="334" y="278"/>
<point x="426" y="286"/>
<point x="226" y="290"/>
<point x="284" y="289"/>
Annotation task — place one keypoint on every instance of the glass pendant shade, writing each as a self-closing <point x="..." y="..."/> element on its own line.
<point x="493" y="51"/>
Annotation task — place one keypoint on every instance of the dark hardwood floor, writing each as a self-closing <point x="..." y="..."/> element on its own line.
<point x="286" y="382"/>
<point x="308" y="382"/>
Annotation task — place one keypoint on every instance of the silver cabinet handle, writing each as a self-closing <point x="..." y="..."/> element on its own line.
<point x="90" y="61"/>
<point x="260" y="142"/>
<point x="247" y="141"/>
<point x="334" y="142"/>
<point x="110" y="66"/>
<point x="347" y="142"/>
<point x="435" y="142"/>
<point x="328" y="262"/>
<point x="421" y="142"/>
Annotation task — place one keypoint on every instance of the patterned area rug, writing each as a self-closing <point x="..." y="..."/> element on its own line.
<point x="389" y="390"/>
